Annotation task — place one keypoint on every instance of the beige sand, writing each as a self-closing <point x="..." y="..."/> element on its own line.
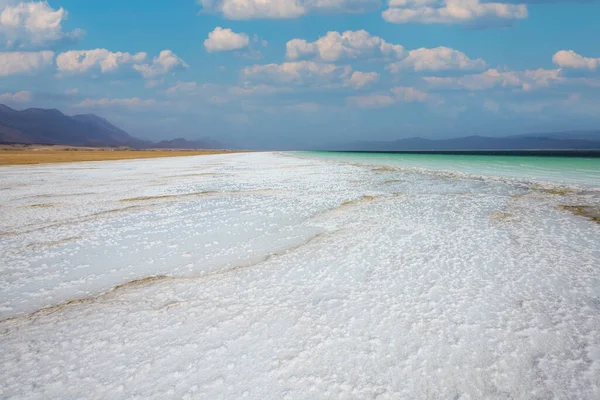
<point x="20" y="155"/>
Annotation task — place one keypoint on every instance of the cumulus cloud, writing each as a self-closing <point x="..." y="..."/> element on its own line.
<point x="361" y="44"/>
<point x="409" y="94"/>
<point x="25" y="24"/>
<point x="437" y="59"/>
<point x="224" y="39"/>
<point x="540" y="77"/>
<point x="570" y="59"/>
<point x="452" y="12"/>
<point x="80" y="61"/>
<point x="298" y="72"/>
<point x="131" y="103"/>
<point x="257" y="39"/>
<point x="219" y="93"/>
<point x="309" y="74"/>
<point x="166" y="62"/>
<point x="284" y="9"/>
<point x="17" y="97"/>
<point x="348" y="45"/>
<point x="360" y="79"/>
<point x="253" y="9"/>
<point x="400" y="94"/>
<point x="18" y="62"/>
<point x="492" y="78"/>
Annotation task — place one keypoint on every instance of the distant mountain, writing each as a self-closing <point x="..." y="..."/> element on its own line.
<point x="42" y="126"/>
<point x="180" y="143"/>
<point x="584" y="135"/>
<point x="555" y="141"/>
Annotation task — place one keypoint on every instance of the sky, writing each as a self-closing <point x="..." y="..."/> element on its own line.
<point x="297" y="73"/>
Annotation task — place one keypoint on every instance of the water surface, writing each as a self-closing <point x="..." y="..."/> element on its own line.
<point x="577" y="171"/>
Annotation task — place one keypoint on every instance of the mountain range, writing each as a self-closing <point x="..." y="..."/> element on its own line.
<point x="50" y="126"/>
<point x="575" y="140"/>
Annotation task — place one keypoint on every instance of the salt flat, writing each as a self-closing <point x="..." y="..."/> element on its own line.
<point x="290" y="277"/>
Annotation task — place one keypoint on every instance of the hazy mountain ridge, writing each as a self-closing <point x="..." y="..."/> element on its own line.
<point x="552" y="141"/>
<point x="583" y="135"/>
<point x="180" y="143"/>
<point x="50" y="126"/>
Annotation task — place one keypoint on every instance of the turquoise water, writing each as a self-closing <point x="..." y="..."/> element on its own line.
<point x="577" y="171"/>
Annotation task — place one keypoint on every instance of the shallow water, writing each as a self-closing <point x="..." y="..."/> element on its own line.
<point x="580" y="171"/>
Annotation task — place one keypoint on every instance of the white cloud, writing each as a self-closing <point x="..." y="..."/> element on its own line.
<point x="540" y="77"/>
<point x="310" y="74"/>
<point x="437" y="59"/>
<point x="336" y="46"/>
<point x="284" y="9"/>
<point x="492" y="78"/>
<point x="409" y="94"/>
<point x="482" y="81"/>
<point x="18" y="62"/>
<point x="350" y="44"/>
<point x="223" y="93"/>
<point x="360" y="79"/>
<point x="132" y="103"/>
<point x="299" y="48"/>
<point x="570" y="59"/>
<point x="17" y="97"/>
<point x="257" y="39"/>
<point x="398" y="94"/>
<point x="252" y="9"/>
<point x="26" y="24"/>
<point x="80" y="61"/>
<point x="224" y="39"/>
<point x="72" y="91"/>
<point x="298" y="72"/>
<point x="451" y="11"/>
<point x="166" y="62"/>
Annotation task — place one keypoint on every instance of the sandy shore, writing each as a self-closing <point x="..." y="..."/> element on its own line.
<point x="10" y="155"/>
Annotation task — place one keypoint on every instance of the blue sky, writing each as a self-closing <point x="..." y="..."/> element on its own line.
<point x="300" y="72"/>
